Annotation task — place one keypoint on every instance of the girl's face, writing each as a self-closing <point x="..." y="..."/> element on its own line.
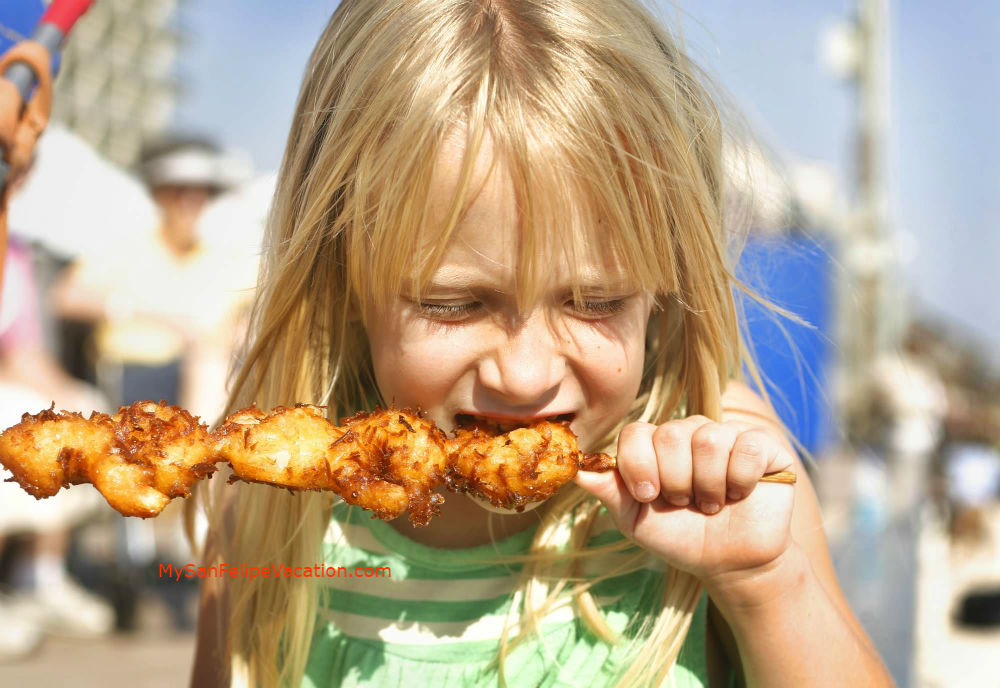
<point x="465" y="349"/>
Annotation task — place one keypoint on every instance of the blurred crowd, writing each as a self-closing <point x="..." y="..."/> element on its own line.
<point x="154" y="313"/>
<point x="934" y="414"/>
<point x="932" y="456"/>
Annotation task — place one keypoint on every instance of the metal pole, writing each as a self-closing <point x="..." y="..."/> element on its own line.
<point x="871" y="321"/>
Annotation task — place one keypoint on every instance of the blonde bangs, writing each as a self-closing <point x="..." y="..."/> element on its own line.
<point x="614" y="206"/>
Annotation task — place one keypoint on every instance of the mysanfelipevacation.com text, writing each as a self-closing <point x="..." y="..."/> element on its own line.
<point x="246" y="571"/>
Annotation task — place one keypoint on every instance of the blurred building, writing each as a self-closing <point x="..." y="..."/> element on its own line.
<point x="115" y="86"/>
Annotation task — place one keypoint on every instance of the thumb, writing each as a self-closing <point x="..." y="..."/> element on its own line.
<point x="608" y="487"/>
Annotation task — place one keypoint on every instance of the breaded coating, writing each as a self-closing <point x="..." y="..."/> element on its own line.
<point x="300" y="449"/>
<point x="598" y="463"/>
<point x="44" y="451"/>
<point x="139" y="459"/>
<point x="516" y="468"/>
<point x="401" y="447"/>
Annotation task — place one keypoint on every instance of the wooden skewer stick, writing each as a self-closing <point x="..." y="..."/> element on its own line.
<point x="786" y="477"/>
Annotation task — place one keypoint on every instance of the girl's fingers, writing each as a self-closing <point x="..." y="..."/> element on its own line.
<point x="710" y="448"/>
<point x="672" y="444"/>
<point x="749" y="459"/>
<point x="690" y="460"/>
<point x="637" y="461"/>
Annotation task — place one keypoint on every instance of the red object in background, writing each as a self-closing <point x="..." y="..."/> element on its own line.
<point x="64" y="13"/>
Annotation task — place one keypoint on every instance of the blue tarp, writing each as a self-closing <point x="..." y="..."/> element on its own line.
<point x="18" y="19"/>
<point x="794" y="272"/>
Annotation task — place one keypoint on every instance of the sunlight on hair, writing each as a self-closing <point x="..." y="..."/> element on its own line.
<point x="612" y="144"/>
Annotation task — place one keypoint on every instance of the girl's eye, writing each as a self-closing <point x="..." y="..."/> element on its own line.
<point x="456" y="311"/>
<point x="599" y="307"/>
<point x="448" y="310"/>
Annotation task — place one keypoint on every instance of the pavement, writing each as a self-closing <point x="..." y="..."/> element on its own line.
<point x="155" y="656"/>
<point x="150" y="660"/>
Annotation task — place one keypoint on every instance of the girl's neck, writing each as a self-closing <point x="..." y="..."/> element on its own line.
<point x="463" y="523"/>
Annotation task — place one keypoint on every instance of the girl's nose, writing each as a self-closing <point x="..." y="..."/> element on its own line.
<point x="526" y="362"/>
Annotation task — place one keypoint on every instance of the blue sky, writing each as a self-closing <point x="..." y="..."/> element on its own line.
<point x="243" y="62"/>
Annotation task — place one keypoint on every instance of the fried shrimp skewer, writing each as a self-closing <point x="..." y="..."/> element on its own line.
<point x="387" y="461"/>
<point x="391" y="460"/>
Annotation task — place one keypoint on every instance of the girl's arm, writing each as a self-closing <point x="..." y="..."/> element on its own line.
<point x="689" y="491"/>
<point x="793" y="625"/>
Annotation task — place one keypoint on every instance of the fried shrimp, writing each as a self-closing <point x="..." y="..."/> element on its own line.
<point x="403" y="448"/>
<point x="388" y="461"/>
<point x="300" y="449"/>
<point x="45" y="451"/>
<point x="139" y="459"/>
<point x="286" y="447"/>
<point x="516" y="468"/>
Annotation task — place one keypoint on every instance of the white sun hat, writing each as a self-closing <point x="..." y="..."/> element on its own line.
<point x="192" y="162"/>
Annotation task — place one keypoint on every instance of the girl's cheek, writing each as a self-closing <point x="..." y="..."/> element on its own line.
<point x="610" y="361"/>
<point x="612" y="367"/>
<point x="427" y="366"/>
<point x="440" y="351"/>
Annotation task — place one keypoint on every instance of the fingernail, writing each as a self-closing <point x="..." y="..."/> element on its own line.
<point x="680" y="500"/>
<point x="709" y="507"/>
<point x="645" y="490"/>
<point x="734" y="495"/>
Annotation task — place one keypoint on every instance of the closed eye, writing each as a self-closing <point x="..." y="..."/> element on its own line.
<point x="608" y="307"/>
<point x="455" y="311"/>
<point x="448" y="310"/>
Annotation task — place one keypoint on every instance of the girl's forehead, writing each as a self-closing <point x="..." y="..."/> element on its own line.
<point x="489" y="190"/>
<point x="487" y="240"/>
<point x="489" y="203"/>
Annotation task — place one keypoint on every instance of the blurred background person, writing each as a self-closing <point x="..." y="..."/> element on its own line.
<point x="162" y="291"/>
<point x="166" y="307"/>
<point x="909" y="406"/>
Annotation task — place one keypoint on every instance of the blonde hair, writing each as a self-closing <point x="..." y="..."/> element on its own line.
<point x="597" y="116"/>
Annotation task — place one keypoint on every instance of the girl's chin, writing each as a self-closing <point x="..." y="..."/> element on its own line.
<point x="500" y="510"/>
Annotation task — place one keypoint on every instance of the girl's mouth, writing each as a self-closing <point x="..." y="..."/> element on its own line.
<point x="495" y="425"/>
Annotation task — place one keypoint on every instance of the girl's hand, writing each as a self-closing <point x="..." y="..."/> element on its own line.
<point x="688" y="491"/>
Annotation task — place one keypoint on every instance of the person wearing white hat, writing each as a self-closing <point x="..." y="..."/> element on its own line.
<point x="152" y="295"/>
<point x="158" y="298"/>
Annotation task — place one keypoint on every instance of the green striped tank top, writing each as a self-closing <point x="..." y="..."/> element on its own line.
<point x="435" y="620"/>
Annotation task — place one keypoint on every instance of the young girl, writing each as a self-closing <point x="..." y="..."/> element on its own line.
<point x="512" y="209"/>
